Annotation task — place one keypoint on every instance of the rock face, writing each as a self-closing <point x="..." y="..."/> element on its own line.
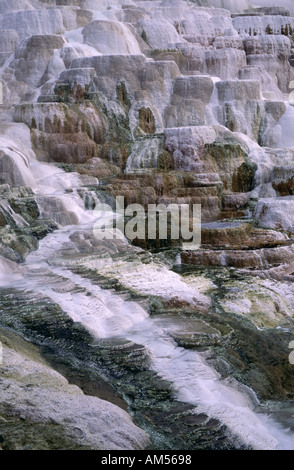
<point x="31" y="22"/>
<point x="33" y="56"/>
<point x="232" y="6"/>
<point x="110" y="37"/>
<point x="284" y="4"/>
<point x="62" y="134"/>
<point x="162" y="102"/>
<point x="31" y="391"/>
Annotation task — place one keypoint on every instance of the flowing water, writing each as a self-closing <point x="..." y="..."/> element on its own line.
<point x="286" y="139"/>
<point x="108" y="314"/>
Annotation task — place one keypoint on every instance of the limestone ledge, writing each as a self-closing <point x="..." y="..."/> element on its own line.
<point x="40" y="410"/>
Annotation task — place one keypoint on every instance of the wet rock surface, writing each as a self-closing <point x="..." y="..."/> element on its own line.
<point x="109" y="369"/>
<point x="31" y="419"/>
<point x="19" y="225"/>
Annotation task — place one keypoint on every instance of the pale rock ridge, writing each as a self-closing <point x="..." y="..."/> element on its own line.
<point x="68" y="134"/>
<point x="156" y="86"/>
<point x="214" y="48"/>
<point x="16" y="155"/>
<point x="10" y="6"/>
<point x="9" y="41"/>
<point x="187" y="145"/>
<point x="110" y="37"/>
<point x="30" y="22"/>
<point x="273" y="53"/>
<point x="71" y="51"/>
<point x="33" y="56"/>
<point x="261" y="25"/>
<point x="277" y="215"/>
<point x="268" y="83"/>
<point x="223" y="63"/>
<point x="233" y="6"/>
<point x="288" y="4"/>
<point x="191" y="95"/>
<point x="37" y="394"/>
<point x="159" y="33"/>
